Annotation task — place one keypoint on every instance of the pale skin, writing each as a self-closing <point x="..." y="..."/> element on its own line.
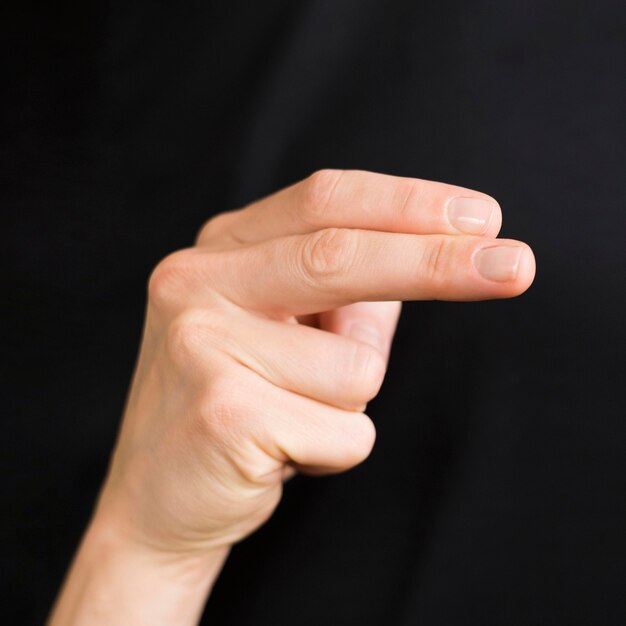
<point x="262" y="345"/>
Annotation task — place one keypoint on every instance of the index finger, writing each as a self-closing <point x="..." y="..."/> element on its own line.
<point x="333" y="267"/>
<point x="358" y="199"/>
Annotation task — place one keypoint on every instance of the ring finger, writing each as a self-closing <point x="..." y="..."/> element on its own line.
<point x="321" y="365"/>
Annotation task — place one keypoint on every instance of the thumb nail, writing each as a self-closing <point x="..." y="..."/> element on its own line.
<point x="367" y="333"/>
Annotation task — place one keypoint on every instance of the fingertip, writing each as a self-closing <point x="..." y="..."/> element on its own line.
<point x="506" y="267"/>
<point x="526" y="270"/>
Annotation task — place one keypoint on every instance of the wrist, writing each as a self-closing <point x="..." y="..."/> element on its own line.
<point x="194" y="569"/>
<point x="116" y="580"/>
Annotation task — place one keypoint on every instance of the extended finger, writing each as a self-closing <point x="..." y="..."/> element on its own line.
<point x="357" y="199"/>
<point x="333" y="267"/>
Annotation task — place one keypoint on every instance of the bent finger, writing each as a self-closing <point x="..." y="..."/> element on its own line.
<point x="311" y="436"/>
<point x="336" y="370"/>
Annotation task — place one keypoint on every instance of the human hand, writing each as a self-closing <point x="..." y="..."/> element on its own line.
<point x="264" y="342"/>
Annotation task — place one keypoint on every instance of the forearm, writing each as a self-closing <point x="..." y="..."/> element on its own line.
<point x="114" y="582"/>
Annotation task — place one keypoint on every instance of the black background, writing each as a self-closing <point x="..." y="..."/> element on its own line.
<point x="496" y="490"/>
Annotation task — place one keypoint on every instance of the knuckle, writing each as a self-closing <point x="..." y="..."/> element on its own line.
<point x="211" y="229"/>
<point x="220" y="409"/>
<point x="168" y="278"/>
<point x="229" y="422"/>
<point x="192" y="336"/>
<point x="367" y="371"/>
<point x="327" y="254"/>
<point x="317" y="191"/>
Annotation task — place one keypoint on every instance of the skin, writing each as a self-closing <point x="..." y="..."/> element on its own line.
<point x="262" y="345"/>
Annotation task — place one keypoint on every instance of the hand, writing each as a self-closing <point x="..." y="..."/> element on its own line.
<point x="247" y="368"/>
<point x="262" y="345"/>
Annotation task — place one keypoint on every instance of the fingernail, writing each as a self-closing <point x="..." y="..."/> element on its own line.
<point x="499" y="263"/>
<point x="470" y="215"/>
<point x="367" y="333"/>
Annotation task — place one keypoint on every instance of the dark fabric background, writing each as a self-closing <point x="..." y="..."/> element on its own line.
<point x="496" y="491"/>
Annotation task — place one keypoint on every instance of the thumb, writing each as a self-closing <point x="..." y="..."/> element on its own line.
<point x="373" y="323"/>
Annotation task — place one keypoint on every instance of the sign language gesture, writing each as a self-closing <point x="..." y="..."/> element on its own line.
<point x="262" y="345"/>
